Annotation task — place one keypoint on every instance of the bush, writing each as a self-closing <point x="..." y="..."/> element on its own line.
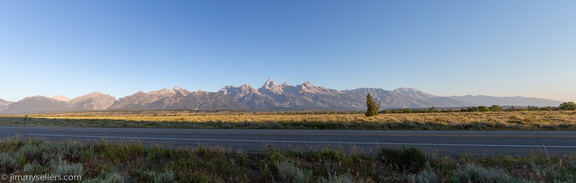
<point x="159" y="177"/>
<point x="475" y="174"/>
<point x="346" y="178"/>
<point x="568" y="106"/>
<point x="409" y="159"/>
<point x="7" y="163"/>
<point x="61" y="167"/>
<point x="288" y="172"/>
<point x="110" y="178"/>
<point x="42" y="152"/>
<point x="33" y="167"/>
<point x="424" y="176"/>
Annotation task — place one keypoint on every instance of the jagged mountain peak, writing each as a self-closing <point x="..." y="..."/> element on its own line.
<point x="166" y="91"/>
<point x="163" y="91"/>
<point x="269" y="83"/>
<point x="247" y="88"/>
<point x="225" y="89"/>
<point x="307" y="83"/>
<point x="237" y="92"/>
<point x="246" y="85"/>
<point x="177" y="88"/>
<point x="308" y="87"/>
<point x="271" y="86"/>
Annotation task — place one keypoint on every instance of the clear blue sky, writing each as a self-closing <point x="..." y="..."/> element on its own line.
<point x="492" y="47"/>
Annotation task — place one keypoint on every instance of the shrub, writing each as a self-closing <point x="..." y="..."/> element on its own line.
<point x="72" y="150"/>
<point x="43" y="152"/>
<point x="346" y="178"/>
<point x="424" y="176"/>
<point x="475" y="174"/>
<point x="409" y="159"/>
<point x="160" y="177"/>
<point x="32" y="168"/>
<point x="7" y="163"/>
<point x="110" y="178"/>
<point x="164" y="177"/>
<point x="288" y="172"/>
<point x="568" y="106"/>
<point x="61" y="167"/>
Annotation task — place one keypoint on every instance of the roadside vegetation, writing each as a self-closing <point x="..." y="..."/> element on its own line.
<point x="131" y="161"/>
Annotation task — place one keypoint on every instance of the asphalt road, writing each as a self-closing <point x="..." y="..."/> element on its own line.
<point x="453" y="143"/>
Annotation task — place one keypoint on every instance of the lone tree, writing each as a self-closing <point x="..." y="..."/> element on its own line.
<point x="373" y="107"/>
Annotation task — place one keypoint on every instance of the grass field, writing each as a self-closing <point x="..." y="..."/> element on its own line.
<point x="519" y="120"/>
<point x="130" y="161"/>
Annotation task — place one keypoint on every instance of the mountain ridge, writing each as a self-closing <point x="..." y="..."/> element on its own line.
<point x="40" y="104"/>
<point x="269" y="97"/>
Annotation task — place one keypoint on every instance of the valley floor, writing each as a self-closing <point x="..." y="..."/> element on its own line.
<point x="519" y="120"/>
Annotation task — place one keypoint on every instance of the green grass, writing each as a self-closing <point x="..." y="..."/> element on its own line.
<point x="131" y="161"/>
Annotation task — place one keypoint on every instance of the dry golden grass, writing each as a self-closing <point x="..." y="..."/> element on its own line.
<point x="521" y="117"/>
<point x="519" y="120"/>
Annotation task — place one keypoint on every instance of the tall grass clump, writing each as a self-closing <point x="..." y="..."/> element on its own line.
<point x="475" y="174"/>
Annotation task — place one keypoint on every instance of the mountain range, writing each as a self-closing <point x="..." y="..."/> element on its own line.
<point x="270" y="97"/>
<point x="39" y="104"/>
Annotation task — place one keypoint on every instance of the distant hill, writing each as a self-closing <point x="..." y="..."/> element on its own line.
<point x="42" y="104"/>
<point x="408" y="98"/>
<point x="36" y="104"/>
<point x="92" y="101"/>
<point x="506" y="101"/>
<point x="270" y="97"/>
<point x="3" y="104"/>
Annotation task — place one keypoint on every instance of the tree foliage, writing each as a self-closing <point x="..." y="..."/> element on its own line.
<point x="372" y="106"/>
<point x="496" y="108"/>
<point x="568" y="106"/>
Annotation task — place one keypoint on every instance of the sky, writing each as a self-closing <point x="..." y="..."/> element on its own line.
<point x="443" y="47"/>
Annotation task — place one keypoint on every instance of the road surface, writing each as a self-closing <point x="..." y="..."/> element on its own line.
<point x="452" y="143"/>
